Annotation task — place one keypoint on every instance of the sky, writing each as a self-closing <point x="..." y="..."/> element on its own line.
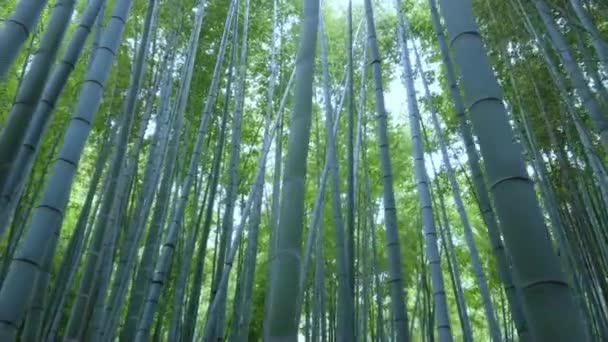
<point x="394" y="96"/>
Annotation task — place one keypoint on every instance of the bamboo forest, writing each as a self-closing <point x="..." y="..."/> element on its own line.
<point x="312" y="170"/>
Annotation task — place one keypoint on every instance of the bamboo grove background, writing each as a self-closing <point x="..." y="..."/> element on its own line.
<point x="179" y="170"/>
